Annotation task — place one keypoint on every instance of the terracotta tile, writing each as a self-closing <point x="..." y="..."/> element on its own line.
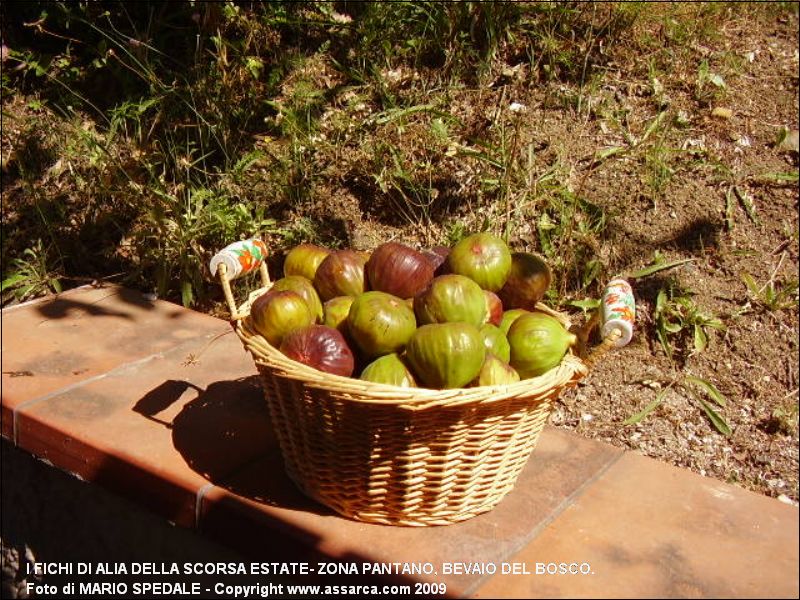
<point x="6" y="421"/>
<point x="649" y="530"/>
<point x="72" y="337"/>
<point x="158" y="430"/>
<point x="260" y="503"/>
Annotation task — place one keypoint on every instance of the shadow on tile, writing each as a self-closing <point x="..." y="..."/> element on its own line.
<point x="224" y="431"/>
<point x="67" y="306"/>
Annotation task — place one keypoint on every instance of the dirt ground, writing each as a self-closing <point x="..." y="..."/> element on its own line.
<point x="717" y="143"/>
<point x="753" y="361"/>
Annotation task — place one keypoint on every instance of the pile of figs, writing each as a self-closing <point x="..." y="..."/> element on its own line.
<point x="441" y="318"/>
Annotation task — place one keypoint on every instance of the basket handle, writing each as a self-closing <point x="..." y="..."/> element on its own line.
<point x="618" y="313"/>
<point x="234" y="261"/>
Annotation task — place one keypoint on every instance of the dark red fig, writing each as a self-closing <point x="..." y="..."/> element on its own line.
<point x="527" y="281"/>
<point x="398" y="270"/>
<point x="341" y="274"/>
<point x="320" y="347"/>
<point x="437" y="256"/>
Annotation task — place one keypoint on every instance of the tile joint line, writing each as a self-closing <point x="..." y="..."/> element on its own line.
<point x="73" y="386"/>
<point x="198" y="503"/>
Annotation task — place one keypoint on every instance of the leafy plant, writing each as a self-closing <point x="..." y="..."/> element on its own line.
<point x="31" y="275"/>
<point x="569" y="227"/>
<point x="677" y="317"/>
<point x="178" y="232"/>
<point x="455" y="231"/>
<point x="657" y="159"/>
<point x="786" y="178"/>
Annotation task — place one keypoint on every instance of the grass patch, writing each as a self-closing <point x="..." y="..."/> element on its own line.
<point x="148" y="136"/>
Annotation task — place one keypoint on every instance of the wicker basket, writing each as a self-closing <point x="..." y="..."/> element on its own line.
<point x="400" y="456"/>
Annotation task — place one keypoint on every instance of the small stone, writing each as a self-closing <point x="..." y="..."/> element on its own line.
<point x="790" y="141"/>
<point x="722" y="113"/>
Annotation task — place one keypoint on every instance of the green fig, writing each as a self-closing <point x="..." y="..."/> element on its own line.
<point x="451" y="299"/>
<point x="446" y="355"/>
<point x="538" y="343"/>
<point x="389" y="369"/>
<point x="304" y="287"/>
<point x="495" y="341"/>
<point x="304" y="260"/>
<point x="335" y="311"/>
<point x="380" y="323"/>
<point x="482" y="257"/>
<point x="509" y="317"/>
<point x="276" y="314"/>
<point x="496" y="372"/>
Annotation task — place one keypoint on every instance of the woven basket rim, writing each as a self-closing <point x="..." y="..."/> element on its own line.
<point x="569" y="371"/>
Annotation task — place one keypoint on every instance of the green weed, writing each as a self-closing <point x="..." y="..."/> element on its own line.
<point x="566" y="39"/>
<point x="701" y="390"/>
<point x="784" y="417"/>
<point x="709" y="86"/>
<point x="772" y="295"/>
<point x="30" y="276"/>
<point x="179" y="231"/>
<point x="659" y="263"/>
<point x="458" y="39"/>
<point x="569" y="227"/>
<point x="678" y="319"/>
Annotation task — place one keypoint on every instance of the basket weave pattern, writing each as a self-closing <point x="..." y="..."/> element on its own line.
<point x="402" y="456"/>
